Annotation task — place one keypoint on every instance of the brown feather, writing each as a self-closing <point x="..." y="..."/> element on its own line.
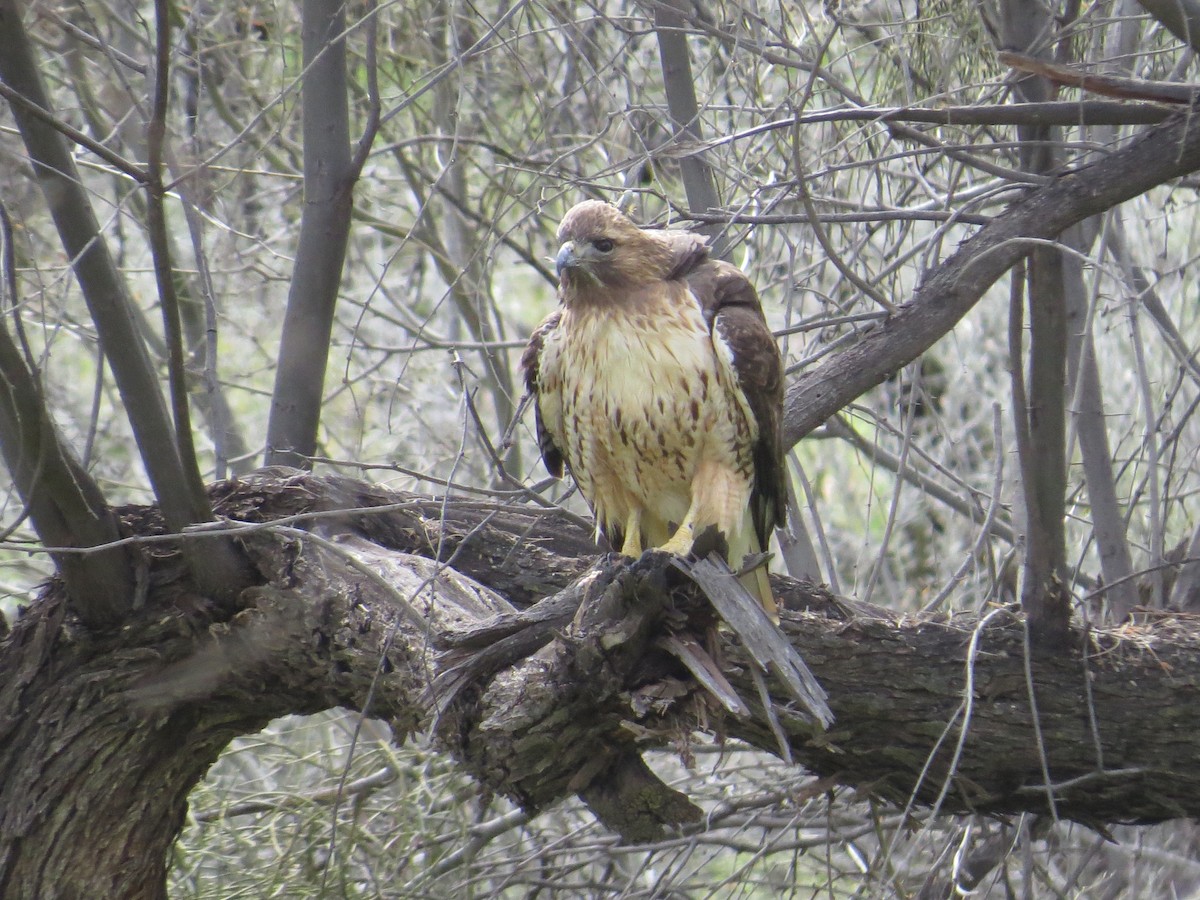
<point x="530" y="364"/>
<point x="733" y="310"/>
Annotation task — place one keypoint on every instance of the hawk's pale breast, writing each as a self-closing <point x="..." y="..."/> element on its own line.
<point x="639" y="401"/>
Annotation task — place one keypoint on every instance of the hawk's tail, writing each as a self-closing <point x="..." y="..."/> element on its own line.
<point x="756" y="582"/>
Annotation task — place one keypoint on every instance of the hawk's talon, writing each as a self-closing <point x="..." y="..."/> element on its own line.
<point x="681" y="542"/>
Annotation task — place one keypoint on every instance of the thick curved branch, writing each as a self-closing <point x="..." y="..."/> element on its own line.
<point x="950" y="290"/>
<point x="937" y="710"/>
<point x="559" y="699"/>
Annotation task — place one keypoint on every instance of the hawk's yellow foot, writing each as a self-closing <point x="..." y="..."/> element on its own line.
<point x="632" y="545"/>
<point x="682" y="540"/>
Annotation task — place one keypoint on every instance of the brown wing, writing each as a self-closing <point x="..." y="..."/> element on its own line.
<point x="531" y="360"/>
<point x="734" y="314"/>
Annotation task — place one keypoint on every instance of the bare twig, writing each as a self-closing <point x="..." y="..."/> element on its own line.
<point x="1091" y="427"/>
<point x="1107" y="85"/>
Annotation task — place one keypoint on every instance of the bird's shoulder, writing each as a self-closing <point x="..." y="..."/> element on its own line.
<point x="687" y="252"/>
<point x="720" y="287"/>
<point x="531" y="358"/>
<point x="737" y="323"/>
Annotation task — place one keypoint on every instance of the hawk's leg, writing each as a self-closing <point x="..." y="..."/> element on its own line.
<point x="632" y="545"/>
<point x="719" y="497"/>
<point x="680" y="543"/>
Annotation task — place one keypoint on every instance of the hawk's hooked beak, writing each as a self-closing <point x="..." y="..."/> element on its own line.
<point x="575" y="263"/>
<point x="566" y="258"/>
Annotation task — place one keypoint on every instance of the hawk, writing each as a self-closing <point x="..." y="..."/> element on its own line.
<point x="660" y="387"/>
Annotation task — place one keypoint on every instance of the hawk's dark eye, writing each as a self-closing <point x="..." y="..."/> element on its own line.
<point x="604" y="245"/>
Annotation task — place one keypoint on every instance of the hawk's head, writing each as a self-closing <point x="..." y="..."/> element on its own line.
<point x="602" y="248"/>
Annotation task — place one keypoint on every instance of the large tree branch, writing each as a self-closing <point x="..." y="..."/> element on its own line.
<point x="950" y="290"/>
<point x="559" y="699"/>
<point x="65" y="505"/>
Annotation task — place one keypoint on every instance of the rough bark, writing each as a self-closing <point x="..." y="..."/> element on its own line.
<point x="103" y="733"/>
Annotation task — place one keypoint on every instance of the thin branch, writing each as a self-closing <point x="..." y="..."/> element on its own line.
<point x="1107" y="85"/>
<point x="86" y="37"/>
<point x="229" y="445"/>
<point x="374" y="106"/>
<point x="36" y="111"/>
<point x="1051" y="112"/>
<point x="822" y="237"/>
<point x="1088" y="417"/>
<point x="850" y="218"/>
<point x="985" y="529"/>
<point x="156" y="218"/>
<point x="1150" y="441"/>
<point x="951" y="289"/>
<point x="958" y="497"/>
<point x="219" y="568"/>
<point x="902" y="466"/>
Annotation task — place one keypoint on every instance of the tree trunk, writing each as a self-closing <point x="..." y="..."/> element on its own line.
<point x="329" y="177"/>
<point x="103" y="734"/>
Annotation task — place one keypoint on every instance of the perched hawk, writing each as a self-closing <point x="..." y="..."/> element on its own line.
<point x="660" y="386"/>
